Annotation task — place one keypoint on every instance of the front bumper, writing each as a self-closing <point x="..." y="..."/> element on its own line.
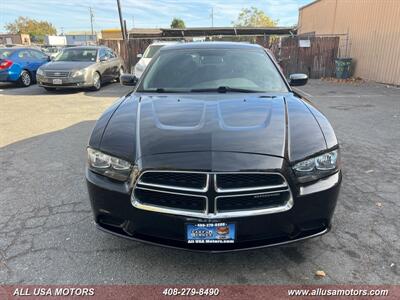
<point x="67" y="82"/>
<point x="310" y="216"/>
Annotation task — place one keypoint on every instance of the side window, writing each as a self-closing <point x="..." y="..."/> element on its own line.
<point x="24" y="54"/>
<point x="110" y="54"/>
<point x="102" y="53"/>
<point x="38" y="55"/>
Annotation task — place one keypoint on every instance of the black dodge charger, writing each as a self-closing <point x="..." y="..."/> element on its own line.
<point x="213" y="151"/>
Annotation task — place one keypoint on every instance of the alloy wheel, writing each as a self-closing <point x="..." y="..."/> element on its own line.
<point x="25" y="78"/>
<point x="96" y="81"/>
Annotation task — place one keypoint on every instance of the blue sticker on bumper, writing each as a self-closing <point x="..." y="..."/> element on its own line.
<point x="210" y="233"/>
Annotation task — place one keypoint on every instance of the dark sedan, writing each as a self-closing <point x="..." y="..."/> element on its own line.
<point x="213" y="151"/>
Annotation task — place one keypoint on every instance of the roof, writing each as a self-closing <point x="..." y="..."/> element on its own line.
<point x="309" y="4"/>
<point x="163" y="43"/>
<point x="86" y="47"/>
<point x="209" y="31"/>
<point x="20" y="48"/>
<point x="113" y="30"/>
<point x="80" y="33"/>
<point x="211" y="45"/>
<point x="145" y="32"/>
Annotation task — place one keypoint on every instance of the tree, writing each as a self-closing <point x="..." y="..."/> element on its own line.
<point x="36" y="29"/>
<point x="254" y="17"/>
<point x="178" y="23"/>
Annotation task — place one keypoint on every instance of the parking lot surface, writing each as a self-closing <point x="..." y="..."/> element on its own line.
<point x="47" y="234"/>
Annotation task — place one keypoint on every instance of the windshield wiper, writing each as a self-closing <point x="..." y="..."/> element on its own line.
<point x="161" y="90"/>
<point x="224" y="89"/>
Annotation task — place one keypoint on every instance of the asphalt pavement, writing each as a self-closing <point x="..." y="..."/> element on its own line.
<point x="47" y="235"/>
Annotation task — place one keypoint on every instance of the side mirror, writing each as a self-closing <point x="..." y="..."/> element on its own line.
<point x="104" y="58"/>
<point x="139" y="55"/>
<point x="49" y="58"/>
<point x="128" y="79"/>
<point x="298" y="79"/>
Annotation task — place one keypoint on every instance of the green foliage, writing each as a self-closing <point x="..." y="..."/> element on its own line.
<point x="32" y="27"/>
<point x="178" y="23"/>
<point x="254" y="17"/>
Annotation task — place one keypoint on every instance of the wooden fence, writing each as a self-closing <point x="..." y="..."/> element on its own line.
<point x="128" y="50"/>
<point x="316" y="59"/>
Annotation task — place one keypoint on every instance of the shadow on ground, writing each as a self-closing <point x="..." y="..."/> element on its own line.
<point x="112" y="89"/>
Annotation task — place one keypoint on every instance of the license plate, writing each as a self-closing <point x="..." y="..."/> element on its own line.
<point x="57" y="81"/>
<point x="210" y="233"/>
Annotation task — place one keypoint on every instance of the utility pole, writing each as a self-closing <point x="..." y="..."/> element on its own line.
<point x="212" y="16"/>
<point x="91" y="19"/>
<point x="133" y="21"/>
<point x="121" y="21"/>
<point x="126" y="28"/>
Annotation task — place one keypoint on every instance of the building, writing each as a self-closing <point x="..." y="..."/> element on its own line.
<point x="372" y="30"/>
<point x="81" y="38"/>
<point x="111" y="34"/>
<point x="14" y="39"/>
<point x="55" y="40"/>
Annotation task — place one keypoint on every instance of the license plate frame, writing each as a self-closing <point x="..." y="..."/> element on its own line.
<point x="57" y="81"/>
<point x="210" y="233"/>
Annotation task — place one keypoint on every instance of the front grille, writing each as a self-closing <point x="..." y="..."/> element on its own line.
<point x="175" y="180"/>
<point x="254" y="201"/>
<point x="248" y="181"/>
<point x="170" y="200"/>
<point x="57" y="74"/>
<point x="212" y="195"/>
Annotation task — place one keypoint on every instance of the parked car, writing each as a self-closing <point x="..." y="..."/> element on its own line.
<point x="80" y="67"/>
<point x="213" y="151"/>
<point x="19" y="65"/>
<point x="52" y="51"/>
<point x="144" y="59"/>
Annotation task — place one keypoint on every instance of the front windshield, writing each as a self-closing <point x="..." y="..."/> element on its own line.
<point x="196" y="70"/>
<point x="151" y="50"/>
<point x="77" y="55"/>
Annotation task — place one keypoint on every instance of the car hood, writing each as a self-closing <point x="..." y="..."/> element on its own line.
<point x="146" y="125"/>
<point x="186" y="124"/>
<point x="67" y="65"/>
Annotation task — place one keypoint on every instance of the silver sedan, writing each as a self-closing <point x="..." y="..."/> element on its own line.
<point x="80" y="67"/>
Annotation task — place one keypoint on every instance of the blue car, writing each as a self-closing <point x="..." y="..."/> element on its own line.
<point x="19" y="65"/>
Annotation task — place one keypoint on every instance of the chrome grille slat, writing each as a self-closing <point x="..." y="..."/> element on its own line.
<point x="57" y="74"/>
<point x="250" y="193"/>
<point x="174" y="193"/>
<point x="261" y="198"/>
<point x="202" y="187"/>
<point x="275" y="185"/>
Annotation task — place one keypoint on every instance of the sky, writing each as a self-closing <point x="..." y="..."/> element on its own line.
<point x="73" y="15"/>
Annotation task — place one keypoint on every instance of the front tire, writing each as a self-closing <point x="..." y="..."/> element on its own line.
<point x="96" y="82"/>
<point x="120" y="72"/>
<point x="25" y="79"/>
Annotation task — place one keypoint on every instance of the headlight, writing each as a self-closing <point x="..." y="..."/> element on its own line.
<point x="40" y="72"/>
<point x="317" y="167"/>
<point x="109" y="166"/>
<point x="77" y="73"/>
